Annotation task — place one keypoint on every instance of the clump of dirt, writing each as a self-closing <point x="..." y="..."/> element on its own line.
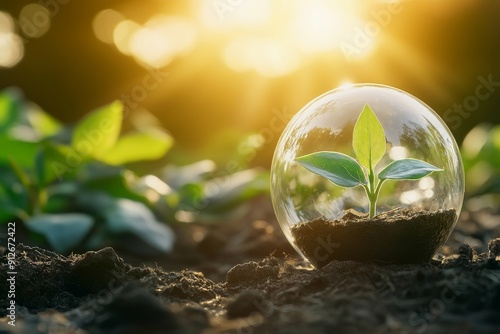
<point x="397" y="237"/>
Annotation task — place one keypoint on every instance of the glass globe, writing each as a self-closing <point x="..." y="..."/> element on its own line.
<point x="412" y="217"/>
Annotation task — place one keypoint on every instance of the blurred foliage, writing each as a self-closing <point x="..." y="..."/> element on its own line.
<point x="481" y="158"/>
<point x="86" y="186"/>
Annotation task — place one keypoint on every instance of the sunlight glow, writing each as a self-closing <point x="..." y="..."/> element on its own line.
<point x="122" y="35"/>
<point x="411" y="196"/>
<point x="163" y="38"/>
<point x="268" y="57"/>
<point x="398" y="152"/>
<point x="6" y="23"/>
<point x="104" y="24"/>
<point x="150" y="47"/>
<point x="223" y="14"/>
<point x="11" y="49"/>
<point x="156" y="43"/>
<point x="345" y="84"/>
<point x="319" y="26"/>
<point x="426" y="183"/>
<point x="274" y="40"/>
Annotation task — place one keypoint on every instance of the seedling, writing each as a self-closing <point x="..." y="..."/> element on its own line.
<point x="369" y="144"/>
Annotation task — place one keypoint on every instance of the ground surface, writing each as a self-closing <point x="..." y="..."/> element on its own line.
<point x="233" y="286"/>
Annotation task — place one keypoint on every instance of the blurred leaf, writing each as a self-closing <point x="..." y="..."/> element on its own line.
<point x="134" y="217"/>
<point x="42" y="122"/>
<point x="8" y="209"/>
<point x="481" y="157"/>
<point x="40" y="169"/>
<point x="117" y="185"/>
<point x="10" y="108"/>
<point x="22" y="152"/>
<point x="142" y="118"/>
<point x="179" y="176"/>
<point x="98" y="132"/>
<point x="144" y="144"/>
<point x="59" y="161"/>
<point x="21" y="175"/>
<point x="226" y="193"/>
<point x="62" y="231"/>
<point x="191" y="196"/>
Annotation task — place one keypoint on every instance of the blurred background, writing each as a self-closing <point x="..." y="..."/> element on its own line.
<point x="214" y="71"/>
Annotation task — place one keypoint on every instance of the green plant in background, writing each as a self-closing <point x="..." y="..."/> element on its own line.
<point x="481" y="157"/>
<point x="369" y="144"/>
<point x="90" y="185"/>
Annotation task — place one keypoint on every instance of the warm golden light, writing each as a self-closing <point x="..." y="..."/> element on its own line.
<point x="149" y="47"/>
<point x="300" y="30"/>
<point x="11" y="49"/>
<point x="155" y="44"/>
<point x="268" y="57"/>
<point x="34" y="20"/>
<point x="220" y="14"/>
<point x="6" y="23"/>
<point x="104" y="24"/>
<point x="122" y="34"/>
<point x="320" y="26"/>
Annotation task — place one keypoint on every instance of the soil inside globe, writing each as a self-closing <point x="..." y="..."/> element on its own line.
<point x="394" y="237"/>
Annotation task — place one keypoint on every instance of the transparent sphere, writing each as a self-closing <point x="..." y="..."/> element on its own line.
<point x="413" y="216"/>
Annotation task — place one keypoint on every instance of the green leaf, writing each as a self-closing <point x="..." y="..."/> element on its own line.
<point x="98" y="132"/>
<point x="10" y="106"/>
<point x="178" y="176"/>
<point x="144" y="144"/>
<point x="339" y="168"/>
<point x="43" y="123"/>
<point x="62" y="231"/>
<point x="59" y="162"/>
<point x="368" y="138"/>
<point x="407" y="169"/>
<point x="22" y="152"/>
<point x="134" y="217"/>
<point x="118" y="185"/>
<point x="226" y="193"/>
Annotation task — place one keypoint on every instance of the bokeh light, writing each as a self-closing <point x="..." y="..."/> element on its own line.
<point x="104" y="24"/>
<point x="245" y="59"/>
<point x="122" y="35"/>
<point x="267" y="57"/>
<point x="161" y="39"/>
<point x="153" y="44"/>
<point x="11" y="45"/>
<point x="229" y="15"/>
<point x="34" y="20"/>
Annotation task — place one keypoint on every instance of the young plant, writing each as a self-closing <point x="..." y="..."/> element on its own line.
<point x="369" y="144"/>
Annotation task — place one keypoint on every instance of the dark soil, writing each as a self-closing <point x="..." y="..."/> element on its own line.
<point x="231" y="286"/>
<point x="398" y="237"/>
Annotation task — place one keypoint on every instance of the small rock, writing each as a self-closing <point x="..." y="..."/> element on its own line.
<point x="467" y="253"/>
<point x="494" y="247"/>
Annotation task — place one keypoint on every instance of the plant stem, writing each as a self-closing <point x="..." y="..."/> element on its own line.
<point x="372" y="191"/>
